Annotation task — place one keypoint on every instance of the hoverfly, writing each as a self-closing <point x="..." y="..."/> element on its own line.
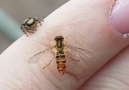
<point x="60" y="53"/>
<point x="30" y="25"/>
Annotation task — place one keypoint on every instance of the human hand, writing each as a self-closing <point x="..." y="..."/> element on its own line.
<point x="91" y="19"/>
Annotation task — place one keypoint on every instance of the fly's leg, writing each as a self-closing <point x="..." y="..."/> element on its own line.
<point x="74" y="59"/>
<point x="54" y="51"/>
<point x="49" y="63"/>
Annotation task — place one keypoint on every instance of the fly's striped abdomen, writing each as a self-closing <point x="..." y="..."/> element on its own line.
<point x="60" y="59"/>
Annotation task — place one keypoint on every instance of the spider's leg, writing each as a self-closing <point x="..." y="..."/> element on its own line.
<point x="30" y="31"/>
<point x="39" y="21"/>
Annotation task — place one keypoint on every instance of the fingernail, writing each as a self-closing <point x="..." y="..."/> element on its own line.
<point x="120" y="16"/>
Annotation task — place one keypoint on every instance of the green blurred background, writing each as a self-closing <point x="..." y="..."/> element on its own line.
<point x="14" y="12"/>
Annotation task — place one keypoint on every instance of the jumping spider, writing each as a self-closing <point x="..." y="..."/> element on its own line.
<point x="30" y="25"/>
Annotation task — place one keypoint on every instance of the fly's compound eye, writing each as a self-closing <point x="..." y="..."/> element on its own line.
<point x="59" y="38"/>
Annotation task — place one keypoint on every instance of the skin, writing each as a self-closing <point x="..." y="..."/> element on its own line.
<point x="107" y="69"/>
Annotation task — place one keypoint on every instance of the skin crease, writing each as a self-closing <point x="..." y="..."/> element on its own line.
<point x="89" y="21"/>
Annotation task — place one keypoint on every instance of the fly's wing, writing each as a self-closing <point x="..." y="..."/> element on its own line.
<point x="77" y="53"/>
<point x="40" y="56"/>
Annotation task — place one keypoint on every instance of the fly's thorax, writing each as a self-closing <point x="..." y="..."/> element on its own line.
<point x="59" y="41"/>
<point x="59" y="45"/>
